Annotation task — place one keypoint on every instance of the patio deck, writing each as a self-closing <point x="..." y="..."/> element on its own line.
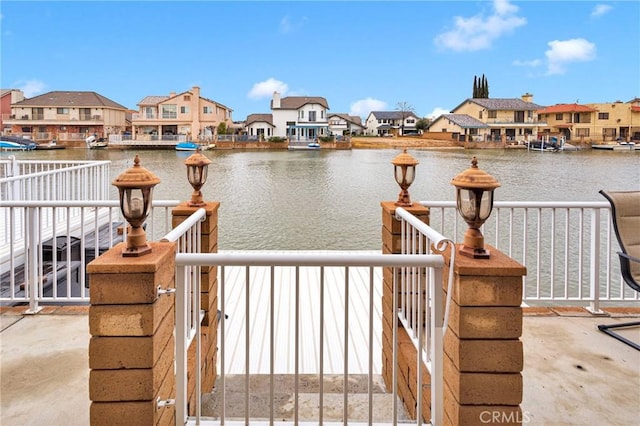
<point x="573" y="373"/>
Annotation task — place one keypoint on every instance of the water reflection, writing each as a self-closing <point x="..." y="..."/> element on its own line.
<point x="325" y="200"/>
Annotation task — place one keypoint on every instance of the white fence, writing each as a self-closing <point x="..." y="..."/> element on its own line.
<point x="47" y="244"/>
<point x="317" y="328"/>
<point x="569" y="248"/>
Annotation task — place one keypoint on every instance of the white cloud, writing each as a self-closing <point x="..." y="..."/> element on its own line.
<point x="478" y="32"/>
<point x="563" y="52"/>
<point x="30" y="88"/>
<point x="265" y="89"/>
<point x="600" y="9"/>
<point x="437" y="112"/>
<point x="363" y="107"/>
<point x="287" y="25"/>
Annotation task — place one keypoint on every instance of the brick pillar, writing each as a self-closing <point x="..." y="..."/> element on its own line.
<point x="132" y="346"/>
<point x="407" y="374"/>
<point x="483" y="353"/>
<point x="208" y="299"/>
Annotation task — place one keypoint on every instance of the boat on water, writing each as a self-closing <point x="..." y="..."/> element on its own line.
<point x="550" y="144"/>
<point x="310" y="146"/>
<point x="620" y="146"/>
<point x="192" y="146"/>
<point x="51" y="145"/>
<point x="16" y="143"/>
<point x="95" y="143"/>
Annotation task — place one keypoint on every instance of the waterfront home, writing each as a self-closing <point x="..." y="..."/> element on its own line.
<point x="259" y="126"/>
<point x="597" y="122"/>
<point x="66" y="116"/>
<point x="299" y="118"/>
<point x="344" y="124"/>
<point x="187" y="113"/>
<point x="498" y="119"/>
<point x="382" y="123"/>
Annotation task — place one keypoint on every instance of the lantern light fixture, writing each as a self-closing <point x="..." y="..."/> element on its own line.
<point x="474" y="202"/>
<point x="197" y="168"/>
<point x="405" y="173"/>
<point x="135" y="187"/>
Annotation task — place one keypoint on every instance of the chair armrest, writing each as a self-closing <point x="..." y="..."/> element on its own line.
<point x="625" y="270"/>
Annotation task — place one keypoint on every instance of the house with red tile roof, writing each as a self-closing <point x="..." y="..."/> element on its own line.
<point x="597" y="122"/>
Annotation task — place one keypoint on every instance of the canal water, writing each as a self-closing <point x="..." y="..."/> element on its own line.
<point x="330" y="200"/>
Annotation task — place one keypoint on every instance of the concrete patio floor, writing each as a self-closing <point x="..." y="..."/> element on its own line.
<point x="573" y="375"/>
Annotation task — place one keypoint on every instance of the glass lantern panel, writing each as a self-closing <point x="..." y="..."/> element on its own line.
<point x="467" y="203"/>
<point x="399" y="174"/>
<point x="486" y="205"/>
<point x="411" y="174"/>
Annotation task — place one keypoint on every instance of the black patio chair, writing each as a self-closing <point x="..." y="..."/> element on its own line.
<point x="625" y="213"/>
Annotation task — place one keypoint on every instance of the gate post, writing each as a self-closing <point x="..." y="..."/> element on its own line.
<point x="208" y="298"/>
<point x="131" y="351"/>
<point x="483" y="357"/>
<point x="405" y="351"/>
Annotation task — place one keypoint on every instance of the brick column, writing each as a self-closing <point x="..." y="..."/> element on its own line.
<point x="132" y="346"/>
<point x="483" y="353"/>
<point x="407" y="374"/>
<point x="208" y="299"/>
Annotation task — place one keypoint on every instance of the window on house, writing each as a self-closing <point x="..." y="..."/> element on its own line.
<point x="603" y="116"/>
<point x="184" y="110"/>
<point x="149" y="112"/>
<point x="492" y="114"/>
<point x="480" y="115"/>
<point x="207" y="110"/>
<point x="312" y="116"/>
<point x="62" y="110"/>
<point x="411" y="121"/>
<point x="609" y="132"/>
<point x="559" y="117"/>
<point x="582" y="132"/>
<point x="301" y="114"/>
<point x="186" y="98"/>
<point x="322" y="114"/>
<point x="518" y="116"/>
<point x="169" y="111"/>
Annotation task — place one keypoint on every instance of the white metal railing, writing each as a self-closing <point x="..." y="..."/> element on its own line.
<point x="188" y="311"/>
<point x="47" y="244"/>
<point x="54" y="180"/>
<point x="303" y="277"/>
<point x="416" y="301"/>
<point x="568" y="248"/>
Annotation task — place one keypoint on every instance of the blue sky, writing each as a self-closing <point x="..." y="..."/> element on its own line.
<point x="360" y="56"/>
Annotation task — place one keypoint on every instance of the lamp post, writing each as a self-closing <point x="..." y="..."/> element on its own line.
<point x="135" y="187"/>
<point x="197" y="167"/>
<point x="405" y="172"/>
<point x="474" y="199"/>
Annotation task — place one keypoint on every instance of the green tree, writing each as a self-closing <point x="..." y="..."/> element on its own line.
<point x="222" y="128"/>
<point x="423" y="124"/>
<point x="480" y="87"/>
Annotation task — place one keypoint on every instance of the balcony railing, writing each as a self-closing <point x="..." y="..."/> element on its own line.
<point x="567" y="247"/>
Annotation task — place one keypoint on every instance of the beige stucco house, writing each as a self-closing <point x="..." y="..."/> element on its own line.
<point x="492" y="119"/>
<point x="186" y="113"/>
<point x="597" y="122"/>
<point x="67" y="116"/>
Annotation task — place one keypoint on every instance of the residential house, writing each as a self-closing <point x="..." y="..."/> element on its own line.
<point x="503" y="119"/>
<point x="572" y="121"/>
<point x="597" y="122"/>
<point x="186" y="113"/>
<point x="383" y="123"/>
<point x="8" y="97"/>
<point x="259" y="126"/>
<point x="67" y="116"/>
<point x="299" y="118"/>
<point x="341" y="124"/>
<point x="460" y="124"/>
